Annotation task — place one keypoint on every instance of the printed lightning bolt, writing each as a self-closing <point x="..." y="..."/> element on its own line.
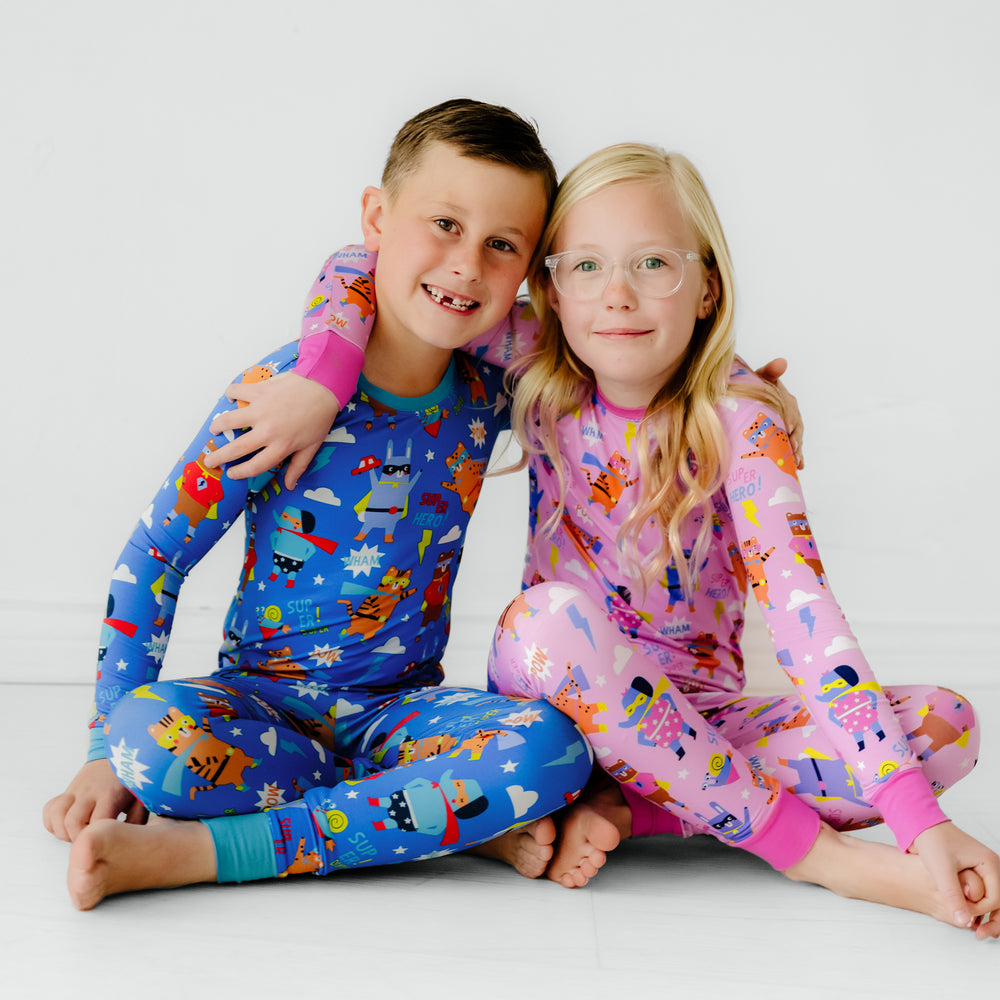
<point x="629" y="434"/>
<point x="808" y="619"/>
<point x="425" y="541"/>
<point x="750" y="509"/>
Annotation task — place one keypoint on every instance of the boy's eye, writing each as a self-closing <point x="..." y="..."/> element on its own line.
<point x="446" y="224"/>
<point x="502" y="245"/>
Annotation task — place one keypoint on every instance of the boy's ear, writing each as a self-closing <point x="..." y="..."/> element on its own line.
<point x="372" y="205"/>
<point x="710" y="300"/>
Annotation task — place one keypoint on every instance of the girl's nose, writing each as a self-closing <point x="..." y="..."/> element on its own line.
<point x="618" y="292"/>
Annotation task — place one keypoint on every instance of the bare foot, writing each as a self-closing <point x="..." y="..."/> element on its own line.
<point x="588" y="829"/>
<point x="527" y="848"/>
<point x="109" y="857"/>
<point x="878" y="873"/>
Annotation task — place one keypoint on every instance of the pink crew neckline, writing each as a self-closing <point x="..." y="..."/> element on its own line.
<point x="628" y="413"/>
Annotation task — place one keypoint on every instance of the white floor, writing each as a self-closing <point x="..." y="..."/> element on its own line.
<point x="664" y="918"/>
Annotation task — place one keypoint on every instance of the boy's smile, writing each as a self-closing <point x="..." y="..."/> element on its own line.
<point x="454" y="244"/>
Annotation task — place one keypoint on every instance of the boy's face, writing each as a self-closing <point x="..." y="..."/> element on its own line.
<point x="454" y="245"/>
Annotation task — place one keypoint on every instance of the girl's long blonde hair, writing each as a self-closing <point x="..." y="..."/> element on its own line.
<point x="680" y="447"/>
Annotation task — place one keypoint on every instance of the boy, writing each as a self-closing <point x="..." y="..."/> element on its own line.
<point x="327" y="680"/>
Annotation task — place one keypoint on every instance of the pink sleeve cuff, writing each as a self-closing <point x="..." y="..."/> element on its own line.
<point x="332" y="361"/>
<point x="908" y="806"/>
<point x="788" y="832"/>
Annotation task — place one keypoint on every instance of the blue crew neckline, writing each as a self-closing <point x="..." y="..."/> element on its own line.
<point x="413" y="403"/>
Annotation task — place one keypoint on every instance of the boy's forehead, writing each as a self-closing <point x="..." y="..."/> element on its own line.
<point x="450" y="177"/>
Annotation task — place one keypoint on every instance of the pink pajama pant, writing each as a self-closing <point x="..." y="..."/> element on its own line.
<point x="702" y="761"/>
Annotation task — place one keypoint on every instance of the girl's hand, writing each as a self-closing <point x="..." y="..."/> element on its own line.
<point x="772" y="372"/>
<point x="95" y="793"/>
<point x="288" y="415"/>
<point x="946" y="852"/>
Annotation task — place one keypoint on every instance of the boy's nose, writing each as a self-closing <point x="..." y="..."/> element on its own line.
<point x="467" y="261"/>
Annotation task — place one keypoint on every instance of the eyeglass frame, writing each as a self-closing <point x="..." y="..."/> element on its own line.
<point x="553" y="259"/>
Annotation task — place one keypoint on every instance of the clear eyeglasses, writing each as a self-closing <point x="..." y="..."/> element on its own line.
<point x="655" y="272"/>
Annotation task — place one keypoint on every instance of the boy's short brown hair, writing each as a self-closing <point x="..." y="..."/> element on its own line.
<point x="482" y="131"/>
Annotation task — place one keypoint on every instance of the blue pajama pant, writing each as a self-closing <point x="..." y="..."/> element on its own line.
<point x="293" y="774"/>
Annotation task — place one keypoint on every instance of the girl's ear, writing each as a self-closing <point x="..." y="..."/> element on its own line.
<point x="553" y="295"/>
<point x="372" y="209"/>
<point x="710" y="299"/>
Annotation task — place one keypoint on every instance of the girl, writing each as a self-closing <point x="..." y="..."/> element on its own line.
<point x="663" y="486"/>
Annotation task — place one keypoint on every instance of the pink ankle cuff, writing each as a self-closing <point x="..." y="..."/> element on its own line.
<point x="787" y="834"/>
<point x="649" y="819"/>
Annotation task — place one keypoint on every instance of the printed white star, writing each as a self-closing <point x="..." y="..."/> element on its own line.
<point x="509" y="767"/>
<point x="235" y="731"/>
<point x="786" y="573"/>
<point x="122" y="664"/>
<point x="600" y="680"/>
<point x="318" y="580"/>
<point x="399" y="850"/>
<point x="317" y="775"/>
<point x="807" y="658"/>
<point x="352" y="794"/>
<point x="429" y="456"/>
<point x="313" y="688"/>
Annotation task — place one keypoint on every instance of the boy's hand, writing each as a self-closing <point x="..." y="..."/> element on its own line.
<point x="772" y="372"/>
<point x="287" y="415"/>
<point x="95" y="793"/>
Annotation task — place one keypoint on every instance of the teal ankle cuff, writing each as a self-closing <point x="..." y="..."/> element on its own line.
<point x="244" y="848"/>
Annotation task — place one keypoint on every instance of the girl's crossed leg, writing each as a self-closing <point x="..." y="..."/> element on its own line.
<point x="553" y="642"/>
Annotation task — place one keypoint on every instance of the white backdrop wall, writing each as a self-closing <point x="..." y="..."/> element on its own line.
<point x="174" y="174"/>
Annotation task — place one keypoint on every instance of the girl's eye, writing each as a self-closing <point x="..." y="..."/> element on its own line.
<point x="446" y="224"/>
<point x="587" y="266"/>
<point x="502" y="245"/>
<point x="652" y="263"/>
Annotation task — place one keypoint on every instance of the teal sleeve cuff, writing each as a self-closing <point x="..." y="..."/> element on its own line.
<point x="97" y="749"/>
<point x="244" y="848"/>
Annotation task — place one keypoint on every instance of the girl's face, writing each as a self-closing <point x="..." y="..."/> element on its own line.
<point x="634" y="344"/>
